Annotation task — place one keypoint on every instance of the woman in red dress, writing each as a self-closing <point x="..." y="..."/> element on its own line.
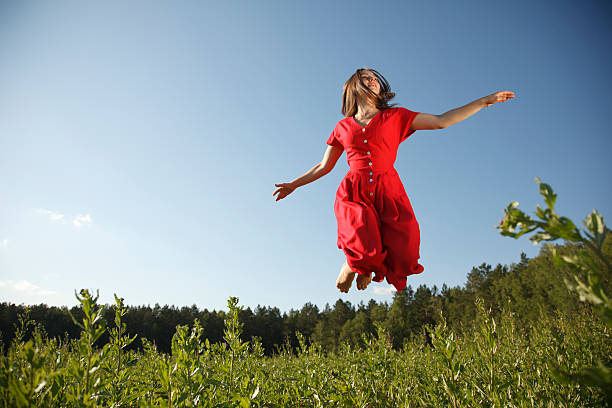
<point x="377" y="229"/>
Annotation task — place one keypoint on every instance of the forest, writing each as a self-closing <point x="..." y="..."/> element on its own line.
<point x="527" y="289"/>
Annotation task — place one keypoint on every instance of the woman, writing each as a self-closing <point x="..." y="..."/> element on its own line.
<point x="377" y="229"/>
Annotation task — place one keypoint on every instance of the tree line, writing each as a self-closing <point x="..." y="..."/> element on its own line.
<point x="527" y="289"/>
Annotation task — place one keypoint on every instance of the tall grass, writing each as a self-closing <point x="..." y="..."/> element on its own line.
<point x="493" y="365"/>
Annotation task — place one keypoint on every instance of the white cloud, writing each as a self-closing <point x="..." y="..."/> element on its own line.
<point x="53" y="216"/>
<point x="79" y="220"/>
<point x="82" y="220"/>
<point x="25" y="286"/>
<point x="4" y="242"/>
<point x="384" y="290"/>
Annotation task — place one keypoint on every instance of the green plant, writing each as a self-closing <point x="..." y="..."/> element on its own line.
<point x="118" y="367"/>
<point x="589" y="261"/>
<point x="445" y="349"/>
<point x="84" y="372"/>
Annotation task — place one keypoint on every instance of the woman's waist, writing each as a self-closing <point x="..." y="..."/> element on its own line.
<point x="371" y="170"/>
<point x="370" y="164"/>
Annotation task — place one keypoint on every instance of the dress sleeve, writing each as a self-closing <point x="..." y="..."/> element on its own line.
<point x="406" y="117"/>
<point x="334" y="139"/>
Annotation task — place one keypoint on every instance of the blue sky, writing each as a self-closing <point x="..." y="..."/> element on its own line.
<point x="140" y="142"/>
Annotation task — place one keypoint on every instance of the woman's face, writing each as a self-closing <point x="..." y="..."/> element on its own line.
<point x="370" y="80"/>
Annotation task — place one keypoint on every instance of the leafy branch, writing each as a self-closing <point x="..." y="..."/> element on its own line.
<point x="589" y="260"/>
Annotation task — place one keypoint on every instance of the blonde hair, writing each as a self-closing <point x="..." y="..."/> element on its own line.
<point x="355" y="90"/>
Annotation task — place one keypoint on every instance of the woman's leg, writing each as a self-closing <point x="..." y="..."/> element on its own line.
<point x="345" y="278"/>
<point x="363" y="281"/>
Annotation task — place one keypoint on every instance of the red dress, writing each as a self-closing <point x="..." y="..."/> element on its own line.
<point x="377" y="229"/>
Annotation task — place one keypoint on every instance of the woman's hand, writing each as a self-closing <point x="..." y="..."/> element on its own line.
<point x="283" y="190"/>
<point x="332" y="153"/>
<point x="501" y="96"/>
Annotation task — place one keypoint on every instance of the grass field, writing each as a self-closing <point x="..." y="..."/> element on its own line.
<point x="493" y="365"/>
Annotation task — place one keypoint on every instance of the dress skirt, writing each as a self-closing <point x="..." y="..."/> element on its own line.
<point x="377" y="229"/>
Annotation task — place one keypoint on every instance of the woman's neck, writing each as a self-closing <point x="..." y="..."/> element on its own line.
<point x="365" y="112"/>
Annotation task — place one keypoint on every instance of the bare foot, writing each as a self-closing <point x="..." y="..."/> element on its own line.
<point x="363" y="281"/>
<point x="345" y="278"/>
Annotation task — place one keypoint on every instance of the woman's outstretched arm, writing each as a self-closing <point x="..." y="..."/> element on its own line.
<point x="331" y="156"/>
<point x="427" y="121"/>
